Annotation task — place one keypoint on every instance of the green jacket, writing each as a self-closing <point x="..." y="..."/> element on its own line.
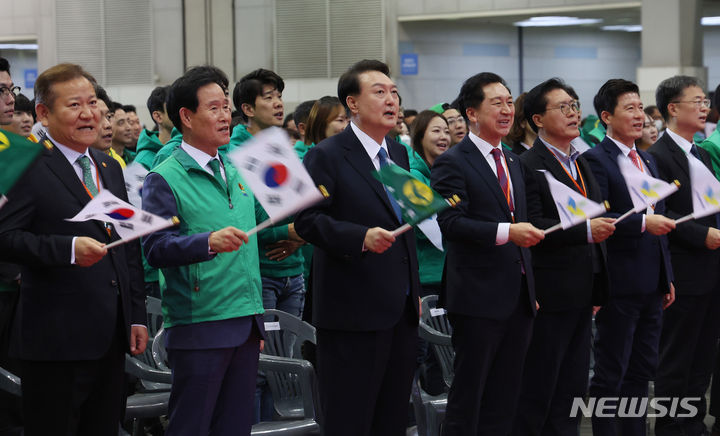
<point x="301" y="149"/>
<point x="430" y="259"/>
<point x="239" y="135"/>
<point x="712" y="146"/>
<point x="228" y="285"/>
<point x="166" y="150"/>
<point x="148" y="145"/>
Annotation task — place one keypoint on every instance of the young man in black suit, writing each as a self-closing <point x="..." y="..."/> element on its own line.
<point x="365" y="280"/>
<point x="628" y="325"/>
<point x="82" y="306"/>
<point x="691" y="325"/>
<point x="569" y="266"/>
<point x="488" y="290"/>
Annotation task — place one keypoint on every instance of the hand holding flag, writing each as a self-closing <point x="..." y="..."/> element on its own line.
<point x="572" y="207"/>
<point x="275" y="174"/>
<point x="130" y="222"/>
<point x="645" y="190"/>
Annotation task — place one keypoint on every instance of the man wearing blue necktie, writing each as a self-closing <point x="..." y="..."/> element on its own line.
<point x="365" y="280"/>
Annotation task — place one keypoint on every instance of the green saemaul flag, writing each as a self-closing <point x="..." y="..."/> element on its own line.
<point x="416" y="199"/>
<point x="16" y="155"/>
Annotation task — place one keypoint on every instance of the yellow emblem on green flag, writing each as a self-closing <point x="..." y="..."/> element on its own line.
<point x="416" y="199"/>
<point x="16" y="155"/>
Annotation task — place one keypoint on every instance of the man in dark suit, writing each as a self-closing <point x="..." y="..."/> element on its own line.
<point x="365" y="280"/>
<point x="691" y="326"/>
<point x="628" y="325"/>
<point x="488" y="290"/>
<point x="569" y="267"/>
<point x="81" y="306"/>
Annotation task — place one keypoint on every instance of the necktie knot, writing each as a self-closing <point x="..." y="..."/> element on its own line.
<point x="383" y="156"/>
<point x="635" y="159"/>
<point x="88" y="181"/>
<point x="695" y="152"/>
<point x="497" y="154"/>
<point x="215" y="167"/>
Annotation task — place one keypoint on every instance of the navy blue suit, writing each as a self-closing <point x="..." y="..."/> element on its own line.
<point x="628" y="326"/>
<point x="365" y="305"/>
<point x="488" y="290"/>
<point x="691" y="325"/>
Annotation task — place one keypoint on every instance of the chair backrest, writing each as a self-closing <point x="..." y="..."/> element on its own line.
<point x="159" y="353"/>
<point x="436" y="329"/>
<point x="284" y="335"/>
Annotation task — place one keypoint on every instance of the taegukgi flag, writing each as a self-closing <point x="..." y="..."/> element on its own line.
<point x="134" y="175"/>
<point x="705" y="189"/>
<point x="645" y="190"/>
<point x="129" y="221"/>
<point x="275" y="174"/>
<point x="573" y="208"/>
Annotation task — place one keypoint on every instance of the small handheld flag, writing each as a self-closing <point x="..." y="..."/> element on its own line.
<point x="417" y="200"/>
<point x="129" y="221"/>
<point x="645" y="190"/>
<point x="16" y="156"/>
<point x="275" y="174"/>
<point x="572" y="207"/>
<point x="134" y="175"/>
<point x="705" y="191"/>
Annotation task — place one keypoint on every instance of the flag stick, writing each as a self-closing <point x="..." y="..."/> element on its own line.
<point x="685" y="218"/>
<point x="262" y="226"/>
<point x="402" y="229"/>
<point x="557" y="226"/>
<point x="170" y="223"/>
<point x="3" y="200"/>
<point x="623" y="216"/>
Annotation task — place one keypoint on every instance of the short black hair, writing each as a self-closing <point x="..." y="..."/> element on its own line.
<point x="302" y="111"/>
<point x="471" y="93"/>
<point x="410" y="113"/>
<point x="114" y="105"/>
<point x="606" y="99"/>
<point x="4" y="65"/>
<point x="183" y="91"/>
<point x="670" y="89"/>
<point x="157" y="99"/>
<point x="349" y="83"/>
<point x="536" y="99"/>
<point x="129" y="108"/>
<point x="251" y="85"/>
<point x="650" y="109"/>
<point x="103" y="95"/>
<point x="23" y="104"/>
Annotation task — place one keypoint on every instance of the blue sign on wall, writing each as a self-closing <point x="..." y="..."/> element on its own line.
<point x="409" y="64"/>
<point x="30" y="76"/>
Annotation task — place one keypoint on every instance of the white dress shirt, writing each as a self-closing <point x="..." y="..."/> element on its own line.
<point x="625" y="154"/>
<point x="371" y="147"/>
<point x="503" y="230"/>
<point x="203" y="159"/>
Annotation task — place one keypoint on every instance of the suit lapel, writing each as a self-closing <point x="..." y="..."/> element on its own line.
<point x="677" y="153"/>
<point x="359" y="159"/>
<point x="477" y="161"/>
<point x="64" y="171"/>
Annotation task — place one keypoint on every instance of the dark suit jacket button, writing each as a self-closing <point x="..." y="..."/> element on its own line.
<point x="405" y="260"/>
<point x="113" y="282"/>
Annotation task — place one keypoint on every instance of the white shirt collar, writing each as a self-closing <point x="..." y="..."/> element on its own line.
<point x="623" y="148"/>
<point x="70" y="154"/>
<point x="485" y="147"/>
<point x="684" y="144"/>
<point x="371" y="147"/>
<point x="198" y="155"/>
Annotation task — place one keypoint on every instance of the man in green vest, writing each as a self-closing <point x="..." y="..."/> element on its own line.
<point x="212" y="306"/>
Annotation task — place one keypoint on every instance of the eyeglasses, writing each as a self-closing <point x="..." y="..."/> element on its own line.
<point x="453" y="121"/>
<point x="6" y="92"/>
<point x="698" y="103"/>
<point x="566" y="108"/>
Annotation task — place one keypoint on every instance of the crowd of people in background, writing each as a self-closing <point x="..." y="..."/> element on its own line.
<point x="521" y="303"/>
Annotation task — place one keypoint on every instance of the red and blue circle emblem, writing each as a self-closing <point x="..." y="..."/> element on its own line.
<point x="275" y="175"/>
